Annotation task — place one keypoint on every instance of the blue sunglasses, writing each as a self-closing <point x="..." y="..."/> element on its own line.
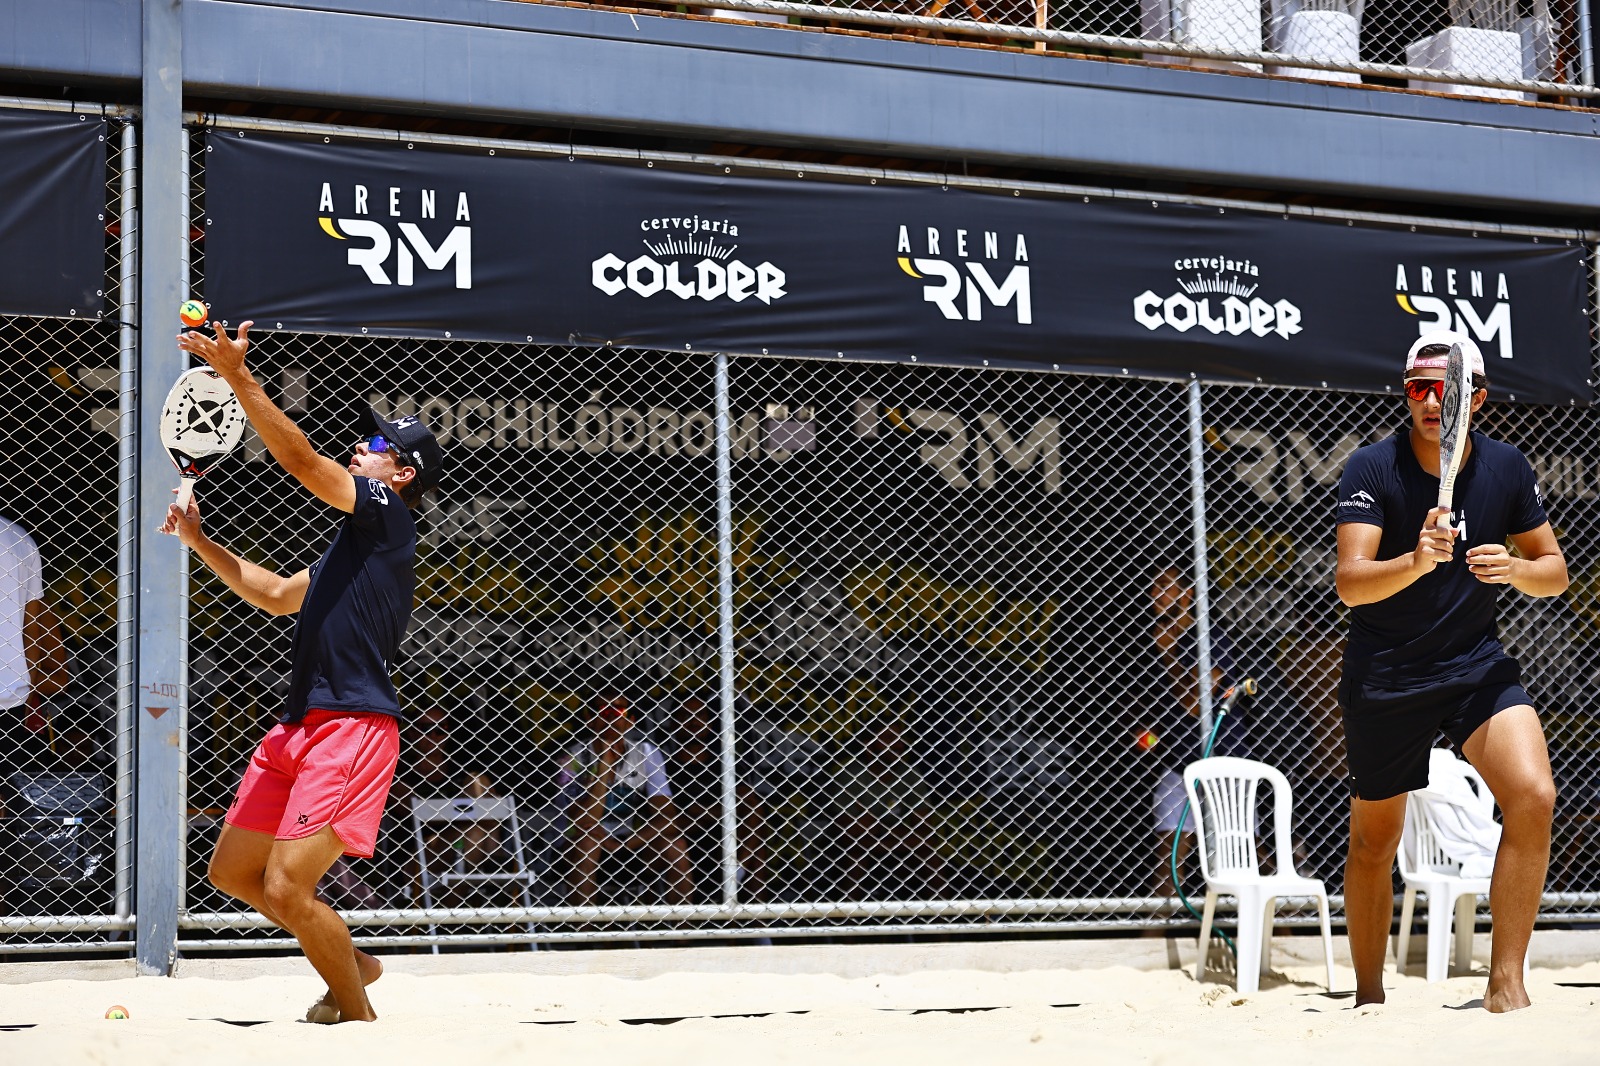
<point x="381" y="445"/>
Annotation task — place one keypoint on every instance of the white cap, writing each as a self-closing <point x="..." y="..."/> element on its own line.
<point x="1432" y="351"/>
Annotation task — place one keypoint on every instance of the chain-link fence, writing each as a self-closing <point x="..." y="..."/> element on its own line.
<point x="66" y="860"/>
<point x="854" y="648"/>
<point x="1507" y="49"/>
<point x="948" y="590"/>
<point x="940" y="668"/>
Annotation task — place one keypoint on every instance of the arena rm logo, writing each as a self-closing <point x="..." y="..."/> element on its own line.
<point x="688" y="256"/>
<point x="406" y="244"/>
<point x="959" y="282"/>
<point x="1452" y="297"/>
<point x="1218" y="294"/>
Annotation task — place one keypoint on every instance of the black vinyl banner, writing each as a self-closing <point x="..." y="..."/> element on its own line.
<point x="401" y="242"/>
<point x="52" y="214"/>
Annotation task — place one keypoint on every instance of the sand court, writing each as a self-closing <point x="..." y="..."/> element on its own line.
<point x="1110" y="1001"/>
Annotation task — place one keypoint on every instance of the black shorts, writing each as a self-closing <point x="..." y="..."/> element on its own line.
<point x="22" y="750"/>
<point x="1388" y="732"/>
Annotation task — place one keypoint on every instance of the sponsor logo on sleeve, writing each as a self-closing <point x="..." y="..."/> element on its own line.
<point x="1360" y="498"/>
<point x="380" y="491"/>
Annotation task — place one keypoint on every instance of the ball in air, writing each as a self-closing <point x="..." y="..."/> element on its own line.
<point x="117" y="1012"/>
<point x="193" y="314"/>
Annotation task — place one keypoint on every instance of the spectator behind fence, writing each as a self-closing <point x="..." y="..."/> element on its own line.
<point x="618" y="797"/>
<point x="33" y="662"/>
<point x="33" y="659"/>
<point x="1173" y="740"/>
<point x="694" y="765"/>
<point x="883" y="815"/>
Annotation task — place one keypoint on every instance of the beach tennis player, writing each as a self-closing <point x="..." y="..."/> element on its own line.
<point x="1423" y="656"/>
<point x="315" y="788"/>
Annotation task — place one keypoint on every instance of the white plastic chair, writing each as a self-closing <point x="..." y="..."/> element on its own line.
<point x="459" y="812"/>
<point x="1222" y="801"/>
<point x="1452" y="899"/>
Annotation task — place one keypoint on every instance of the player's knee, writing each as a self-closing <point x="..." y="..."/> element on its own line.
<point x="1534" y="803"/>
<point x="226" y="879"/>
<point x="286" y="898"/>
<point x="1374" y="842"/>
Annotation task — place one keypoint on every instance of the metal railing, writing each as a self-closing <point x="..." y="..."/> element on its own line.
<point x="1479" y="48"/>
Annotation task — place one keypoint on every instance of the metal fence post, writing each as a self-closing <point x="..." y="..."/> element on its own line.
<point x="1585" y="42"/>
<point x="730" y="813"/>
<point x="159" y="664"/>
<point x="127" y="511"/>
<point x="1202" y="584"/>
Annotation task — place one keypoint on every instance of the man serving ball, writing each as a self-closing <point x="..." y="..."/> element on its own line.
<point x="315" y="788"/>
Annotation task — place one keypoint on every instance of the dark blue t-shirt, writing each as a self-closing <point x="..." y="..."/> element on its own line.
<point x="356" y="610"/>
<point x="1178" y="732"/>
<point x="1444" y="622"/>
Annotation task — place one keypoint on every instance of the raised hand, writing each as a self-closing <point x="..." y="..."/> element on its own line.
<point x="225" y="354"/>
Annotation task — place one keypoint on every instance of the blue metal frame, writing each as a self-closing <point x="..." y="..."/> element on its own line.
<point x="162" y="566"/>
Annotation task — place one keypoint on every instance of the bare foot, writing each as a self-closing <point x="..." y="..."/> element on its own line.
<point x="325" y="1011"/>
<point x="1365" y="998"/>
<point x="1501" y="1000"/>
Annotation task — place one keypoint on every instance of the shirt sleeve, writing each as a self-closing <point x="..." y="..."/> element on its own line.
<point x="1361" y="490"/>
<point x="1527" y="505"/>
<point x="655" y="772"/>
<point x="379" y="511"/>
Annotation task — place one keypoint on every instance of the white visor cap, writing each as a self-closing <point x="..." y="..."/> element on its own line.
<point x="1436" y="344"/>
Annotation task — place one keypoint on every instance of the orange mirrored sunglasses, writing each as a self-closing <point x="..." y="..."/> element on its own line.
<point x="1419" y="389"/>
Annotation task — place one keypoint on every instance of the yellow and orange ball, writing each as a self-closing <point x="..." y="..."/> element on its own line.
<point x="193" y="314"/>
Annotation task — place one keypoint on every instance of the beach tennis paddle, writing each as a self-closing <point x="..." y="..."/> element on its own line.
<point x="201" y="423"/>
<point x="1455" y="411"/>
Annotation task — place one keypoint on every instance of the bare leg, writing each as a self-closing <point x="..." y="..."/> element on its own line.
<point x="588" y="842"/>
<point x="238" y="867"/>
<point x="1509" y="751"/>
<point x="1375" y="827"/>
<point x="752" y="847"/>
<point x="860" y="849"/>
<point x="659" y="836"/>
<point x="921" y="843"/>
<point x="293" y="870"/>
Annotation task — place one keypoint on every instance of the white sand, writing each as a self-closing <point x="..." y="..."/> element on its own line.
<point x="440" y="1010"/>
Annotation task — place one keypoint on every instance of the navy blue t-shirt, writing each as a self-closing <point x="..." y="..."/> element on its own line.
<point x="1444" y="622"/>
<point x="356" y="610"/>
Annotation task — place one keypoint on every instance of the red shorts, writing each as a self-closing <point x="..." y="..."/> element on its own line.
<point x="331" y="768"/>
